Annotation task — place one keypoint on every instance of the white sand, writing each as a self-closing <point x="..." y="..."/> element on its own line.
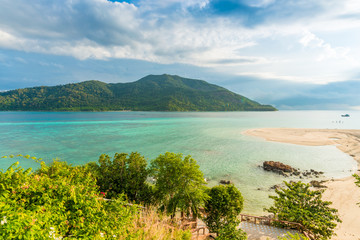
<point x="343" y="193"/>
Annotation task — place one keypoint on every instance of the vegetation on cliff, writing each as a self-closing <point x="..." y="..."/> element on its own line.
<point x="98" y="200"/>
<point x="151" y="93"/>
<point x="123" y="198"/>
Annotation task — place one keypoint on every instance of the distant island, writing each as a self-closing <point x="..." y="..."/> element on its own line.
<point x="151" y="93"/>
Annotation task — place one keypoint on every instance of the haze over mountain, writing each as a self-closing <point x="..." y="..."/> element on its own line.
<point x="151" y="93"/>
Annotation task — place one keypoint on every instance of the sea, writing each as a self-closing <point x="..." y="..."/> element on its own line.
<point x="213" y="139"/>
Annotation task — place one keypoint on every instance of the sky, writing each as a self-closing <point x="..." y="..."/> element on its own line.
<point x="294" y="54"/>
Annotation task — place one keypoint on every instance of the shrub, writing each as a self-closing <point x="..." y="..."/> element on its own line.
<point x="180" y="184"/>
<point x="230" y="231"/>
<point x="297" y="203"/>
<point x="60" y="201"/>
<point x="222" y="208"/>
<point x="290" y="236"/>
<point x="124" y="174"/>
<point x="151" y="225"/>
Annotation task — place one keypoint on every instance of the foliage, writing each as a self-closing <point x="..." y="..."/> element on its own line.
<point x="125" y="174"/>
<point x="290" y="236"/>
<point x="151" y="93"/>
<point x="297" y="203"/>
<point x="357" y="177"/>
<point x="180" y="184"/>
<point x="151" y="225"/>
<point x="222" y="209"/>
<point x="60" y="201"/>
<point x="230" y="231"/>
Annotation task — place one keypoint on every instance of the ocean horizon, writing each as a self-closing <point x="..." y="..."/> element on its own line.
<point x="213" y="139"/>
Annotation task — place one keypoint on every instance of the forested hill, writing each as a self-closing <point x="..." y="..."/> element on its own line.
<point x="151" y="93"/>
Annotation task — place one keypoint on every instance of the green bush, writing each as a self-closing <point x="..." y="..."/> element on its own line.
<point x="222" y="209"/>
<point x="290" y="236"/>
<point x="124" y="174"/>
<point x="230" y="231"/>
<point x="179" y="185"/>
<point x="297" y="203"/>
<point x="58" y="201"/>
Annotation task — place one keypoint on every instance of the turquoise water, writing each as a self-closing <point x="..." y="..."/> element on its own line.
<point x="213" y="139"/>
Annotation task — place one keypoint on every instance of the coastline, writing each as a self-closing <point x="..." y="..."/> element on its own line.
<point x="343" y="193"/>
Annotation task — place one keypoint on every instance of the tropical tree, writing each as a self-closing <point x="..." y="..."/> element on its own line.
<point x="59" y="201"/>
<point x="222" y="209"/>
<point x="124" y="174"/>
<point x="179" y="183"/>
<point x="298" y="203"/>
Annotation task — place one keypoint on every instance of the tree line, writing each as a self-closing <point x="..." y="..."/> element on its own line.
<point x="62" y="201"/>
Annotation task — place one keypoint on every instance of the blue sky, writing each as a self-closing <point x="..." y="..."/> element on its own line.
<point x="295" y="54"/>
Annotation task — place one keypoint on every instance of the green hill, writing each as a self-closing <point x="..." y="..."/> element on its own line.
<point x="151" y="93"/>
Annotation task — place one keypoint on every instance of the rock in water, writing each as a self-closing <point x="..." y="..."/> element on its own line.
<point x="277" y="166"/>
<point x="225" y="181"/>
<point x="317" y="184"/>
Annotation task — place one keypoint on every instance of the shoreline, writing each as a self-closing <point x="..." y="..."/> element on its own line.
<point x="343" y="193"/>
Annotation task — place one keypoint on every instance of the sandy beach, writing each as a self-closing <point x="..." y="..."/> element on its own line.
<point x="343" y="193"/>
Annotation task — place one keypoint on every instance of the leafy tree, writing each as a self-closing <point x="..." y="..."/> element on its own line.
<point x="124" y="174"/>
<point x="179" y="183"/>
<point x="222" y="209"/>
<point x="297" y="203"/>
<point x="230" y="231"/>
<point x="58" y="201"/>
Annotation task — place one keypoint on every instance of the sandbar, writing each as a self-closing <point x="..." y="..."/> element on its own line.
<point x="343" y="193"/>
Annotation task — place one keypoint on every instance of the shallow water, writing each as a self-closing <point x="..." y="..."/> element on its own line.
<point x="213" y="139"/>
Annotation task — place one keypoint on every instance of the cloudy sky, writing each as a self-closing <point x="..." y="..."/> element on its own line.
<point x="295" y="54"/>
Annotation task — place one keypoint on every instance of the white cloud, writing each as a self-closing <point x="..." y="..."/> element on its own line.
<point x="101" y="29"/>
<point x="156" y="4"/>
<point x="312" y="41"/>
<point x="259" y="3"/>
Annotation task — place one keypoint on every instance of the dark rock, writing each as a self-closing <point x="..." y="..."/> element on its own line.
<point x="305" y="174"/>
<point x="276" y="186"/>
<point x="222" y="181"/>
<point x="277" y="167"/>
<point x="317" y="184"/>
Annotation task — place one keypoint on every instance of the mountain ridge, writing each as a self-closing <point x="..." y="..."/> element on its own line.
<point x="151" y="93"/>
